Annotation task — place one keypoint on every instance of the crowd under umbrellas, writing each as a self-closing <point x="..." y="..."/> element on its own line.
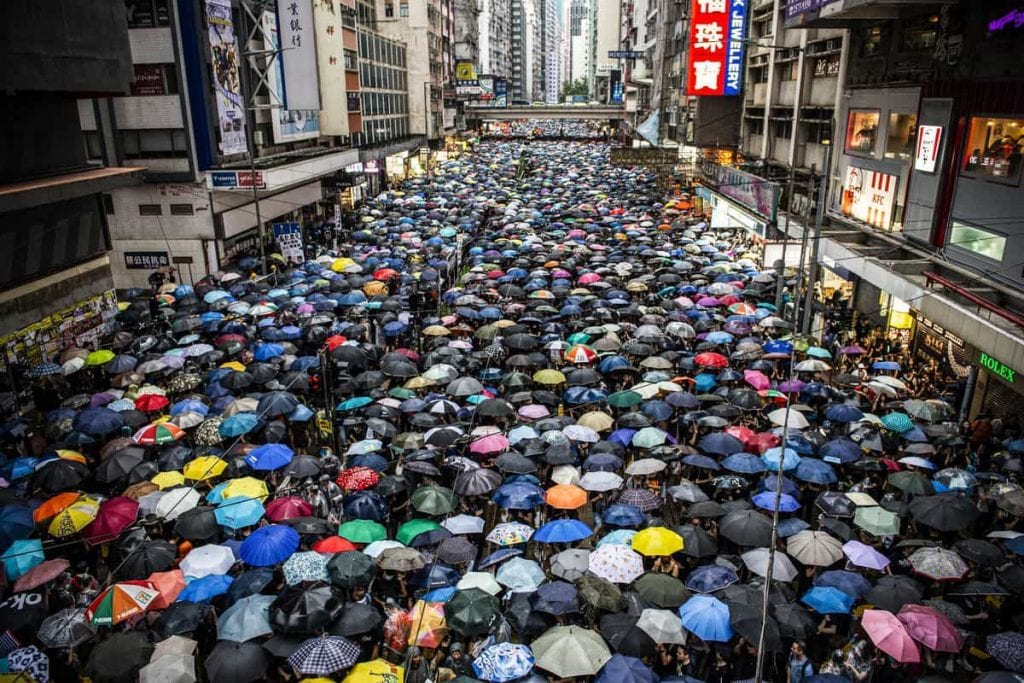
<point x="525" y="423"/>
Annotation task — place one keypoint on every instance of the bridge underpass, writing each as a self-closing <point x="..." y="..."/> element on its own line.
<point x="596" y="112"/>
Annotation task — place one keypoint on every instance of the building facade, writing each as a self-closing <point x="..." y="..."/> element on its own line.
<point x="552" y="51"/>
<point x="494" y="26"/>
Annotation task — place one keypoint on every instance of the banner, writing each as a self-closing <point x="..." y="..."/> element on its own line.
<point x="224" y="50"/>
<point x="295" y="23"/>
<point x="289" y="239"/>
<point x="85" y="322"/>
<point x="746" y="189"/>
<point x="330" y="59"/>
<point x="288" y="124"/>
<point x="717" y="36"/>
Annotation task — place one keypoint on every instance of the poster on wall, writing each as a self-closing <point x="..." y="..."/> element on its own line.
<point x="149" y="80"/>
<point x="224" y="50"/>
<point x="717" y="40"/>
<point x="289" y="240"/>
<point x="85" y="322"/>
<point x="288" y="124"/>
<point x="295" y="25"/>
<point x="869" y="196"/>
<point x="928" y="140"/>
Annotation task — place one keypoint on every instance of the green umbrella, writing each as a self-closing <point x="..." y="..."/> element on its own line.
<point x="350" y="569"/>
<point x="601" y="594"/>
<point x="472" y="612"/>
<point x="401" y="393"/>
<point x="911" y="482"/>
<point x="362" y="531"/>
<point x="434" y="500"/>
<point x="877" y="521"/>
<point x="414" y="528"/>
<point x="649" y="437"/>
<point x="570" y="651"/>
<point x="625" y="399"/>
<point x="408" y="441"/>
<point x="578" y="338"/>
<point x="662" y="590"/>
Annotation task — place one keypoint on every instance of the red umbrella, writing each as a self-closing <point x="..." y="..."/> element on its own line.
<point x="931" y="628"/>
<point x="709" y="359"/>
<point x="40" y="574"/>
<point x="385" y="274"/>
<point x="333" y="544"/>
<point x="744" y="434"/>
<point x="287" y="507"/>
<point x="150" y="403"/>
<point x="761" y="442"/>
<point x="334" y="341"/>
<point x="169" y="584"/>
<point x="408" y="353"/>
<point x="890" y="635"/>
<point x="114" y="517"/>
<point x="358" y="478"/>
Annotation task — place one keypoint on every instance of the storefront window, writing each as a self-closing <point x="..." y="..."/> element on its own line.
<point x="861" y="129"/>
<point x="995" y="149"/>
<point x="900" y="137"/>
<point x="981" y="242"/>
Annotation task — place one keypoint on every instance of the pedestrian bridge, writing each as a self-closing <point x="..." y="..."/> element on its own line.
<point x="578" y="112"/>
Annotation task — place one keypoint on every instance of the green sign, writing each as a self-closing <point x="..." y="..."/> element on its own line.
<point x="997" y="367"/>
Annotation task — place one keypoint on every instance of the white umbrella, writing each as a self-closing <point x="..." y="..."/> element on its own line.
<point x="521" y="575"/>
<point x="600" y="481"/>
<point x="757" y="562"/>
<point x="645" y="467"/>
<point x="206" y="560"/>
<point x="176" y="502"/>
<point x="566" y="474"/>
<point x="890" y="381"/>
<point x="616" y="563"/>
<point x="662" y="625"/>
<point x="812" y="365"/>
<point x="464" y="524"/>
<point x="175" y="645"/>
<point x="571" y="564"/>
<point x="377" y="547"/>
<point x="481" y="580"/>
<point x="794" y="418"/>
<point x="169" y="669"/>
<point x="814" y="548"/>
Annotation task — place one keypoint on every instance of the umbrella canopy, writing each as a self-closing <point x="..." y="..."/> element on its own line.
<point x="567" y="651"/>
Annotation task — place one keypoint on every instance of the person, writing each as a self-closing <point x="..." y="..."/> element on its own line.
<point x="799" y="667"/>
<point x="858" y="662"/>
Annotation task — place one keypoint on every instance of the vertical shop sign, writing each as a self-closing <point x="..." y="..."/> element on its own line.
<point x="289" y="240"/>
<point x="288" y="124"/>
<point x="301" y="86"/>
<point x="224" y="50"/>
<point x="715" y="60"/>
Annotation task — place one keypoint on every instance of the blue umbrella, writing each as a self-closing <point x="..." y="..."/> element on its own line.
<point x="778" y="346"/>
<point x="851" y="583"/>
<point x="562" y="531"/>
<point x="271" y="456"/>
<point x="304" y="363"/>
<point x="898" y="422"/>
<point x="98" y="421"/>
<point x="815" y="472"/>
<point x="766" y="501"/>
<point x="16" y="523"/>
<point x="623" y="669"/>
<point x="503" y="662"/>
<point x="709" y="578"/>
<point x="773" y="456"/>
<point x="205" y="588"/>
<point x="519" y="496"/>
<point x="843" y="412"/>
<point x="840" y="451"/>
<point x="434" y="575"/>
<point x="269" y="545"/>
<point x="828" y="600"/>
<point x="791" y="526"/>
<point x="239" y="512"/>
<point x="190" y="405"/>
<point x="623" y="437"/>
<point x="618" y="537"/>
<point x="888" y="365"/>
<point x="701" y="461"/>
<point x="266" y="352"/>
<point x="499" y="556"/>
<point x="239" y="424"/>
<point x="788" y="486"/>
<point x="744" y="463"/>
<point x="707" y="618"/>
<point x="354" y="403"/>
<point x="46" y="368"/>
<point x="719" y="443"/>
<point x="621" y="514"/>
<point x="21" y="556"/>
<point x="657" y="410"/>
<point x="300" y="414"/>
<point x="555" y="597"/>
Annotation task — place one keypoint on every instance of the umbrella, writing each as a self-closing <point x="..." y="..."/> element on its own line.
<point x="931" y="628"/>
<point x="303" y="608"/>
<point x="623" y="669"/>
<point x="661" y="590"/>
<point x="324" y="655"/>
<point x="827" y="600"/>
<point x="119" y="657"/>
<point x="746" y="528"/>
<point x="567" y="651"/>
<point x="890" y="636"/>
<point x="503" y="662"/>
<point x="472" y="612"/>
<point x="707" y="618"/>
<point x="616" y="563"/>
<point x="351" y="569"/>
<point x="65" y="629"/>
<point x="246" y="619"/>
<point x="944" y="512"/>
<point x="233" y="662"/>
<point x="657" y="541"/>
<point x="863" y="555"/>
<point x="356" y="619"/>
<point x="757" y="560"/>
<point x="815" y="548"/>
<point x="938" y="564"/>
<point x="662" y="625"/>
<point x="269" y="545"/>
<point x="121" y="601"/>
<point x="570" y="564"/>
<point x="520" y="575"/>
<point x="1007" y="648"/>
<point x="207" y="560"/>
<point x="375" y="671"/>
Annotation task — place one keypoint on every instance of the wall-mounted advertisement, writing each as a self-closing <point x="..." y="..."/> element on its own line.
<point x="295" y="24"/>
<point x="869" y="196"/>
<point x="224" y="50"/>
<point x="615" y="87"/>
<point x="288" y="124"/>
<point x="717" y="35"/>
<point x="500" y="92"/>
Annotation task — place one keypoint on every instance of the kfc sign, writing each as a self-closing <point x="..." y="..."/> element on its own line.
<point x="717" y="34"/>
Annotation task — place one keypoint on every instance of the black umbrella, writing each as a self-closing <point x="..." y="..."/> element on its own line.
<point x="622" y="633"/>
<point x="276" y="403"/>
<point x="23" y="612"/>
<point x="697" y="542"/>
<point x="304" y="608"/>
<point x="301" y="467"/>
<point x="456" y="550"/>
<point x="310" y="525"/>
<point x="747" y="528"/>
<point x="357" y="618"/>
<point x="944" y="512"/>
<point x="149" y="557"/>
<point x="747" y="620"/>
<point x="249" y="582"/>
<point x="980" y="551"/>
<point x="118" y="465"/>
<point x="198" y="524"/>
<point x="351" y="569"/>
<point x="232" y="662"/>
<point x="181" y="617"/>
<point x="892" y="592"/>
<point x="472" y="612"/>
<point x="119" y="657"/>
<point x="794" y="621"/>
<point x="477" y="481"/>
<point x="60" y="475"/>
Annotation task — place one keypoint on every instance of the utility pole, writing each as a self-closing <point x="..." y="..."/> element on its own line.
<point x="819" y="218"/>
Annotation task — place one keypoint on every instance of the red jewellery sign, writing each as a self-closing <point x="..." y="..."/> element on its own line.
<point x="717" y="35"/>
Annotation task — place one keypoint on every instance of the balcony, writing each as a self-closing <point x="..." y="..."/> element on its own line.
<point x="852" y="13"/>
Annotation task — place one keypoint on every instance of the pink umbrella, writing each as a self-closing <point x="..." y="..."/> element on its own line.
<point x="708" y="301"/>
<point x="492" y="443"/>
<point x="791" y="386"/>
<point x="588" y="278"/>
<point x="757" y="379"/>
<point x="533" y="411"/>
<point x="114" y="516"/>
<point x="287" y="507"/>
<point x="684" y="302"/>
<point x="931" y="628"/>
<point x="890" y="636"/>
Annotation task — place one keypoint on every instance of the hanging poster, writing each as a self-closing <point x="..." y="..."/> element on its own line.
<point x="288" y="124"/>
<point x="301" y="84"/>
<point x="226" y="83"/>
<point x="289" y="239"/>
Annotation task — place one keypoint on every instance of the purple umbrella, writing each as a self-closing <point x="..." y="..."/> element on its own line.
<point x="791" y="386"/>
<point x="865" y="556"/>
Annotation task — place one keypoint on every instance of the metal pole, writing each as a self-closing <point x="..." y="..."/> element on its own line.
<point x="426" y="111"/>
<point x="800" y="271"/>
<point x="250" y="143"/>
<point x="819" y="218"/>
<point x="780" y="285"/>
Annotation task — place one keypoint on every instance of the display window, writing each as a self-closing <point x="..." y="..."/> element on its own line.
<point x="994" y="149"/>
<point x="861" y="131"/>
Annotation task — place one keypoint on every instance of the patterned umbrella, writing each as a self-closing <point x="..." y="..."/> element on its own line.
<point x="358" y="478"/>
<point x="158" y="434"/>
<point x="616" y="563"/>
<point x="208" y="433"/>
<point x="32" y="661"/>
<point x="1008" y="649"/>
<point x="306" y="566"/>
<point x="510" y="533"/>
<point x="938" y="564"/>
<point x="503" y="662"/>
<point x="324" y="655"/>
<point x="645" y="499"/>
<point x="121" y="601"/>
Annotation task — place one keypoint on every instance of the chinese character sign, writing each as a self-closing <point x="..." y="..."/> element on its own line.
<point x="717" y="34"/>
<point x="298" y="55"/>
<point x="289" y="239"/>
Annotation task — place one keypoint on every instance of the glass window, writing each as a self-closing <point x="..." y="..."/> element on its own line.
<point x="871" y="41"/>
<point x="994" y="149"/>
<point x="147" y="13"/>
<point x="978" y="241"/>
<point x="861" y="129"/>
<point x="901" y="136"/>
<point x="403" y="9"/>
<point x="920" y="35"/>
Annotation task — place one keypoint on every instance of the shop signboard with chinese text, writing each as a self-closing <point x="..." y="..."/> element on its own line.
<point x="236" y="180"/>
<point x="301" y="86"/>
<point x="717" y="35"/>
<point x="869" y="196"/>
<point x="149" y="80"/>
<point x="288" y="124"/>
<point x="289" y="240"/>
<point x="929" y="140"/>
<point x="626" y="54"/>
<point x="146" y="260"/>
<point x="224" y="52"/>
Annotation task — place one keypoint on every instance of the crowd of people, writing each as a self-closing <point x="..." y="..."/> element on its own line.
<point x="526" y="421"/>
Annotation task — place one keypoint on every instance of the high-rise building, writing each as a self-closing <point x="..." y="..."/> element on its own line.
<point x="527" y="43"/>
<point x="552" y="51"/>
<point x="607" y="25"/>
<point x="494" y="25"/>
<point x="581" y="39"/>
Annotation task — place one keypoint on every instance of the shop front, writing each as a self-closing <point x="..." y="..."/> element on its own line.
<point x="240" y="235"/>
<point x="396" y="167"/>
<point x="999" y="388"/>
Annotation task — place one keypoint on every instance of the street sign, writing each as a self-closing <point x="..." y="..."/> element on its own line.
<point x="626" y="54"/>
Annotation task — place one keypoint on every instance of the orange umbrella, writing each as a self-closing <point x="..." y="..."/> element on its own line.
<point x="565" y="497"/>
<point x="168" y="584"/>
<point x="53" y="506"/>
<point x="427" y="624"/>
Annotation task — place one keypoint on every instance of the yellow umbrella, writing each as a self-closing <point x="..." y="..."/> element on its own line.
<point x="503" y="323"/>
<point x="548" y="376"/>
<point x="341" y="264"/>
<point x="205" y="467"/>
<point x="233" y="365"/>
<point x="376" y="671"/>
<point x="419" y="382"/>
<point x="374" y="288"/>
<point x="436" y="331"/>
<point x="428" y="625"/>
<point x="166" y="480"/>
<point x="74" y="517"/>
<point x="246" y="487"/>
<point x="596" y="420"/>
<point x="657" y="541"/>
<point x="65" y="454"/>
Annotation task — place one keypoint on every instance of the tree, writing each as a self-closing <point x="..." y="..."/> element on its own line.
<point x="577" y="87"/>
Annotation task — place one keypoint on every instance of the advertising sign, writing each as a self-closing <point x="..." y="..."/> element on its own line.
<point x="330" y="58"/>
<point x="76" y="325"/>
<point x="236" y="180"/>
<point x="625" y="54"/>
<point x="500" y="92"/>
<point x="146" y="260"/>
<point x="796" y="8"/>
<point x="746" y="189"/>
<point x="869" y="196"/>
<point x="149" y="80"/>
<point x="295" y="24"/>
<point x="289" y="240"/>
<point x="288" y="124"/>
<point x="717" y="32"/>
<point x="929" y="139"/>
<point x="486" y="88"/>
<point x="615" y="92"/>
<point x="465" y="71"/>
<point x="224" y="50"/>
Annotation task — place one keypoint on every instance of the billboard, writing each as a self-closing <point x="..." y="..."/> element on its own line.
<point x="295" y="24"/>
<point x="288" y="124"/>
<point x="226" y="83"/>
<point x="715" y="58"/>
<point x="330" y="58"/>
<point x="500" y="91"/>
<point x="746" y="189"/>
<point x="869" y="196"/>
<point x="615" y="91"/>
<point x="796" y="8"/>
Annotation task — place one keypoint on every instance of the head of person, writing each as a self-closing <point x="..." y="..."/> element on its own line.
<point x="797" y="649"/>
